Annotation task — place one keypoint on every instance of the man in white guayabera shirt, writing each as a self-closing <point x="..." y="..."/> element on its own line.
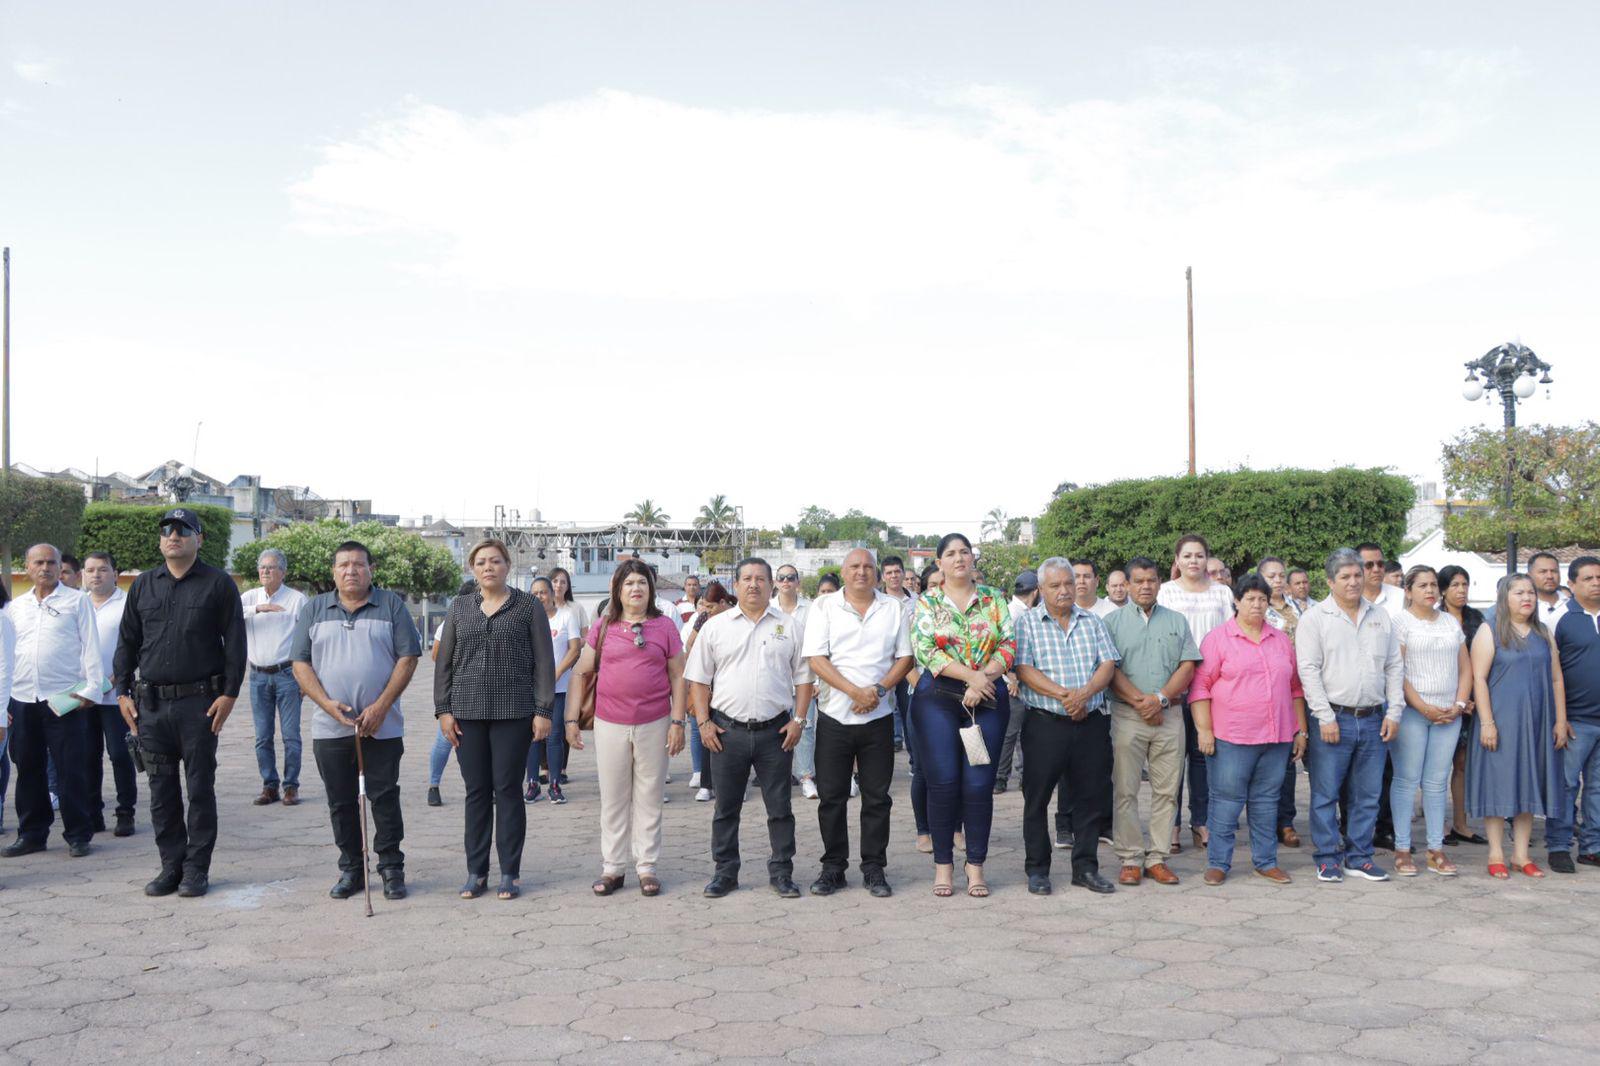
<point x="270" y="613"/>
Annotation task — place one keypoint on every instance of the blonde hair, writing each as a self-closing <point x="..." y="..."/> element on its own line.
<point x="489" y="542"/>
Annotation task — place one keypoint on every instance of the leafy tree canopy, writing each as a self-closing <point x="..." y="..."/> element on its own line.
<point x="401" y="560"/>
<point x="1555" y="496"/>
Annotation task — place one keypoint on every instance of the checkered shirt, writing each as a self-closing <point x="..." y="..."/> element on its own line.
<point x="1069" y="657"/>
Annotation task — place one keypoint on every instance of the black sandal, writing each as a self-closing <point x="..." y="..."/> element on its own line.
<point x="475" y="887"/>
<point x="508" y="888"/>
<point x="607" y="885"/>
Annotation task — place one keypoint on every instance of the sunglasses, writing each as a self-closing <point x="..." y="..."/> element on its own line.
<point x="176" y="531"/>
<point x="788" y="577"/>
<point x="638" y="634"/>
<point x="1378" y="565"/>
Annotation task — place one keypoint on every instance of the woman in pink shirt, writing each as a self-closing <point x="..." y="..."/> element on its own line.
<point x="1249" y="714"/>
<point x="638" y="721"/>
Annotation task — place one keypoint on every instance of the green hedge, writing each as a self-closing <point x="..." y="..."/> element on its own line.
<point x="1298" y="515"/>
<point x="39" y="511"/>
<point x="130" y="532"/>
<point x="401" y="560"/>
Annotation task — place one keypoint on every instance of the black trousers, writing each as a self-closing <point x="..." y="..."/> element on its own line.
<point x="37" y="733"/>
<point x="761" y="750"/>
<point x="1055" y="748"/>
<point x="493" y="757"/>
<point x="868" y="750"/>
<point x="107" y="735"/>
<point x="176" y="734"/>
<point x="336" y="764"/>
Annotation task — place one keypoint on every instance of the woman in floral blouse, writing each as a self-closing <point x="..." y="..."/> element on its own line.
<point x="964" y="645"/>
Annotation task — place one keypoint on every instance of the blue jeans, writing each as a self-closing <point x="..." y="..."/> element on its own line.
<point x="805" y="750"/>
<point x="555" y="745"/>
<point x="919" y="784"/>
<point x="1359" y="755"/>
<point x="1579" y="759"/>
<point x="275" y="699"/>
<point x="958" y="792"/>
<point x="697" y="750"/>
<point x="438" y="758"/>
<point x="902" y="704"/>
<point x="1422" y="753"/>
<point x="1248" y="778"/>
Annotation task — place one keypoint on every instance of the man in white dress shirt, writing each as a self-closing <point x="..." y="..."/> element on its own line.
<point x="107" y="733"/>
<point x="57" y="650"/>
<point x="270" y="612"/>
<point x="1549" y="597"/>
<point x="762" y="695"/>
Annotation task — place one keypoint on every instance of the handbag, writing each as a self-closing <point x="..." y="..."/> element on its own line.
<point x="972" y="740"/>
<point x="586" y="708"/>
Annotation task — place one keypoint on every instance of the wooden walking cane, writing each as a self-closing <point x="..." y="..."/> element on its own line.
<point x="361" y="790"/>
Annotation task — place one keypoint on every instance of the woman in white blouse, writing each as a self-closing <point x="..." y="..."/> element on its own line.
<point x="1438" y="682"/>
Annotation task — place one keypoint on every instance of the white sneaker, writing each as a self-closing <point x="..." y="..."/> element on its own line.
<point x="668" y="781"/>
<point x="666" y="797"/>
<point x="694" y="779"/>
<point x="703" y="796"/>
<point x="855" y="789"/>
<point x="808" y="788"/>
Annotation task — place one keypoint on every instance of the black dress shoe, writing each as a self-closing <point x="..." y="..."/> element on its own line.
<point x="785" y="887"/>
<point x="348" y="885"/>
<point x="878" y="885"/>
<point x="394" y="884"/>
<point x="124" y="826"/>
<point x="1093" y="882"/>
<point x="21" y="846"/>
<point x="194" y="884"/>
<point x="1000" y="785"/>
<point x="1384" y="840"/>
<point x="78" y="849"/>
<point x="1561" y="862"/>
<point x="165" y="884"/>
<point x="97" y="826"/>
<point x="434" y="799"/>
<point x="719" y="886"/>
<point x="1039" y="884"/>
<point x="828" y="883"/>
<point x="1589" y="858"/>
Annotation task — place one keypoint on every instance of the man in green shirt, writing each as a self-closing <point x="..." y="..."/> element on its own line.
<point x="1158" y="660"/>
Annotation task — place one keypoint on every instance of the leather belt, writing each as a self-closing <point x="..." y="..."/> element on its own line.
<point x="278" y="669"/>
<point x="749" y="727"/>
<point x="1358" y="712"/>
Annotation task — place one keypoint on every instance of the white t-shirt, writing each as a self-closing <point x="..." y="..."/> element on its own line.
<point x="564" y="628"/>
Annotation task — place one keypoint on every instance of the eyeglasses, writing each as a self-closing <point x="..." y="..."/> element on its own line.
<point x="638" y="634"/>
<point x="1373" y="564"/>
<point x="47" y="608"/>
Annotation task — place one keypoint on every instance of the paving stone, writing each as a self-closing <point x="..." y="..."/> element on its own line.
<point x="642" y="1023"/>
<point x="1201" y="1053"/>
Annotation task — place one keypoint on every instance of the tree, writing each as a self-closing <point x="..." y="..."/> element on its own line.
<point x="130" y="533"/>
<point x="999" y="564"/>
<point x="1555" y="498"/>
<point x="1298" y="515"/>
<point x="645" y="513"/>
<point x="815" y="516"/>
<point x="1013" y="531"/>
<point x="718" y="514"/>
<point x="993" y="523"/>
<point x="401" y="560"/>
<point x="40" y="511"/>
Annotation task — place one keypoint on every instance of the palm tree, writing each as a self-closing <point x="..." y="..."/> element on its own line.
<point x="994" y="522"/>
<point x="717" y="514"/>
<point x="645" y="513"/>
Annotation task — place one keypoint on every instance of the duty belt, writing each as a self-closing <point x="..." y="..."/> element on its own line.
<point x="211" y="686"/>
<point x="751" y="727"/>
<point x="1358" y="712"/>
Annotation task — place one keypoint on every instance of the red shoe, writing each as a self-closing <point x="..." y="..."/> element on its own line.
<point x="1498" y="871"/>
<point x="1531" y="870"/>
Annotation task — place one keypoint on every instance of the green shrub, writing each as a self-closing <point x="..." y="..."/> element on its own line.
<point x="39" y="511"/>
<point x="1298" y="515"/>
<point x="130" y="532"/>
<point x="401" y="560"/>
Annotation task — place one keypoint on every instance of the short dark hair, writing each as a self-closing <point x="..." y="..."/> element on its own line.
<point x="1579" y="563"/>
<point x="832" y="579"/>
<point x="1093" y="569"/>
<point x="1392" y="566"/>
<point x="1369" y="546"/>
<point x="107" y="556"/>
<point x="1298" y="570"/>
<point x="352" y="546"/>
<point x="1143" y="562"/>
<point x="890" y="560"/>
<point x="751" y="560"/>
<point x="927" y="572"/>
<point x="68" y="559"/>
<point x="1251" y="583"/>
<point x="1535" y="557"/>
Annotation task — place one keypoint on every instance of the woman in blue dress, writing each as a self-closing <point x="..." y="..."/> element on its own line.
<point x="1514" y="770"/>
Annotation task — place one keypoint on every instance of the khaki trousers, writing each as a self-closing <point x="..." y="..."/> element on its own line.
<point x="632" y="760"/>
<point x="1136" y="744"/>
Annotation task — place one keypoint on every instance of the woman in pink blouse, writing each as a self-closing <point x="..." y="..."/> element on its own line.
<point x="1249" y="715"/>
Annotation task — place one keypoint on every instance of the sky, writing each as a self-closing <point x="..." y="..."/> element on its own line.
<point x="920" y="259"/>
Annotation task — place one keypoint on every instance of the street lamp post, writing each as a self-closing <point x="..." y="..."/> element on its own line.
<point x="1509" y="370"/>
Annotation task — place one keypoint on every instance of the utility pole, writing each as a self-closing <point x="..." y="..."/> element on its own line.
<point x="1188" y="277"/>
<point x="5" y="403"/>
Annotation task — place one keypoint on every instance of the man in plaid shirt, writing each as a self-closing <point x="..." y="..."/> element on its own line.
<point x="1065" y="661"/>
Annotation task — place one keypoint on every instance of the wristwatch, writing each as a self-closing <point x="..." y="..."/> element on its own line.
<point x="1166" y="704"/>
<point x="880" y="690"/>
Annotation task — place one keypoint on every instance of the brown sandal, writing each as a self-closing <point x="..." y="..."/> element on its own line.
<point x="607" y="885"/>
<point x="648" y="885"/>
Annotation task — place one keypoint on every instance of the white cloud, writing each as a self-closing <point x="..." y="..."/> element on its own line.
<point x="38" y="71"/>
<point x="624" y="195"/>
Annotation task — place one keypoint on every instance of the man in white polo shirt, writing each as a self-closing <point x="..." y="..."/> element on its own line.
<point x="753" y="719"/>
<point x="859" y="643"/>
<point x="270" y="612"/>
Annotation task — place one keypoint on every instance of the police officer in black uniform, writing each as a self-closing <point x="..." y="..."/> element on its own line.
<point x="184" y="630"/>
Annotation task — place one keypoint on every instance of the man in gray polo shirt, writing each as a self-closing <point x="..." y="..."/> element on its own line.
<point x="354" y="652"/>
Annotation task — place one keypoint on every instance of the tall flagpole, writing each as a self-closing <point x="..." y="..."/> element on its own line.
<point x="1188" y="276"/>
